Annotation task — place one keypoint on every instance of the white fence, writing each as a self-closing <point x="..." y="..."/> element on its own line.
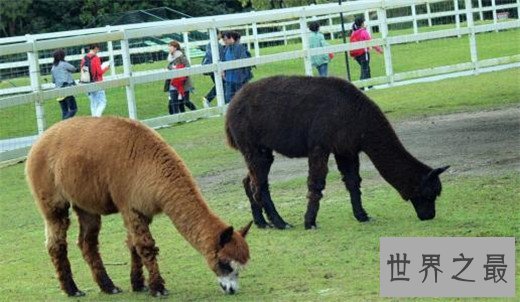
<point x="38" y="92"/>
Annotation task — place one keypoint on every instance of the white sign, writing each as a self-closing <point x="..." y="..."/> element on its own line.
<point x="447" y="267"/>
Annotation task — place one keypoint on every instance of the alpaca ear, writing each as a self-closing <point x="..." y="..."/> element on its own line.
<point x="243" y="231"/>
<point x="437" y="172"/>
<point x="226" y="236"/>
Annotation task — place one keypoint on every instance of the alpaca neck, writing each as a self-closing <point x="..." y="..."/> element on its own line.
<point x="395" y="164"/>
<point x="192" y="217"/>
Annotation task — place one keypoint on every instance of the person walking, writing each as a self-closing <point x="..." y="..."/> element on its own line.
<point x="362" y="55"/>
<point x="180" y="87"/>
<point x="234" y="79"/>
<point x="208" y="59"/>
<point x="316" y="39"/>
<point x="98" y="99"/>
<point x="61" y="73"/>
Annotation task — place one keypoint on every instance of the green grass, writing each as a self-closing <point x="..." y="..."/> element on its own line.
<point x="338" y="262"/>
<point x="151" y="100"/>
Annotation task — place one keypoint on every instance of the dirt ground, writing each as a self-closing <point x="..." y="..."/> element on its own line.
<point x="477" y="143"/>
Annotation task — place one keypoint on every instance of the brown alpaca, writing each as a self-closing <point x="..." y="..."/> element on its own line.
<point x="314" y="117"/>
<point x="106" y="165"/>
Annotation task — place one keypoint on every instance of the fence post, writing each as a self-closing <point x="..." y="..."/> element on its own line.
<point x="248" y="38"/>
<point x="186" y="42"/>
<point x="34" y="75"/>
<point x="215" y="57"/>
<point x="518" y="9"/>
<point x="494" y="7"/>
<point x="127" y="71"/>
<point x="429" y="13"/>
<point x="284" y="35"/>
<point x="383" y="27"/>
<point x="481" y="14"/>
<point x="472" y="38"/>
<point x="255" y="39"/>
<point x="331" y="30"/>
<point x="414" y="16"/>
<point x="367" y="20"/>
<point x="305" y="46"/>
<point x="457" y="15"/>
<point x="111" y="54"/>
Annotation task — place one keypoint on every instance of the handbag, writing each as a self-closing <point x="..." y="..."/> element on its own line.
<point x="166" y="87"/>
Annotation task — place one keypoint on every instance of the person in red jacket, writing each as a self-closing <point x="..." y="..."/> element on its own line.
<point x="362" y="55"/>
<point x="179" y="82"/>
<point x="179" y="88"/>
<point x="98" y="100"/>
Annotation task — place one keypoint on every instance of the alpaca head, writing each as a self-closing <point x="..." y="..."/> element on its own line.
<point x="232" y="255"/>
<point x="430" y="188"/>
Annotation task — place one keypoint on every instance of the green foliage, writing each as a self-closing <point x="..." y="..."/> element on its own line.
<point x="58" y="15"/>
<point x="11" y="13"/>
<point x="273" y="4"/>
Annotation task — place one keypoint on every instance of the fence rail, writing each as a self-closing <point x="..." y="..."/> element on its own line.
<point x="38" y="93"/>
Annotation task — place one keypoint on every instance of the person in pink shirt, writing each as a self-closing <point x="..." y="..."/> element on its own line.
<point x="362" y="55"/>
<point x="98" y="99"/>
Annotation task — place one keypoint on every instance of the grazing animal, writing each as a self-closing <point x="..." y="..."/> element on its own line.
<point x="313" y="117"/>
<point x="106" y="165"/>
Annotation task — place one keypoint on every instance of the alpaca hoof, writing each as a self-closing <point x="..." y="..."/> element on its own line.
<point x="311" y="226"/>
<point x="362" y="217"/>
<point x="161" y="293"/>
<point x="283" y="226"/>
<point x="112" y="290"/>
<point x="264" y="225"/>
<point x="115" y="290"/>
<point x="77" y="294"/>
<point x="140" y="289"/>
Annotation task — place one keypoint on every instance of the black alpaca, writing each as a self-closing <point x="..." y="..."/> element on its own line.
<point x="314" y="117"/>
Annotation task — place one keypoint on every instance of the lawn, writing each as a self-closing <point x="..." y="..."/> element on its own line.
<point x="337" y="262"/>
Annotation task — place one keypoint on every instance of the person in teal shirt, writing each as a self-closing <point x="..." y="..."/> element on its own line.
<point x="316" y="39"/>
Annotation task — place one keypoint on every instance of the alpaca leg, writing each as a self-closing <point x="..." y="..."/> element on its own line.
<point x="56" y="224"/>
<point x="349" y="168"/>
<point x="138" y="227"/>
<point x="89" y="227"/>
<point x="136" y="273"/>
<point x="318" y="169"/>
<point x="259" y="164"/>
<point x="256" y="208"/>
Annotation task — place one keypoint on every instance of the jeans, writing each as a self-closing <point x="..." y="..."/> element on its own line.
<point x="98" y="102"/>
<point x="68" y="107"/>
<point x="323" y="70"/>
<point x="213" y="91"/>
<point x="364" y="62"/>
<point x="230" y="89"/>
<point x="177" y="106"/>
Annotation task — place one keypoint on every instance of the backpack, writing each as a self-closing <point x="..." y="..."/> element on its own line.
<point x="85" y="74"/>
<point x="355" y="37"/>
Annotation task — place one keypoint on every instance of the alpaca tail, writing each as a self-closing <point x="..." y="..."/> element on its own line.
<point x="231" y="141"/>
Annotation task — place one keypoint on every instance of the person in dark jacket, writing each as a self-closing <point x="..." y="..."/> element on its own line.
<point x="234" y="78"/>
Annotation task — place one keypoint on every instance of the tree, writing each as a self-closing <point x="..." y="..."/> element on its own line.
<point x="13" y="13"/>
<point x="19" y="17"/>
<point x="273" y="4"/>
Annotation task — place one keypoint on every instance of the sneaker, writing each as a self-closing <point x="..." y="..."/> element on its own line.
<point x="205" y="103"/>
